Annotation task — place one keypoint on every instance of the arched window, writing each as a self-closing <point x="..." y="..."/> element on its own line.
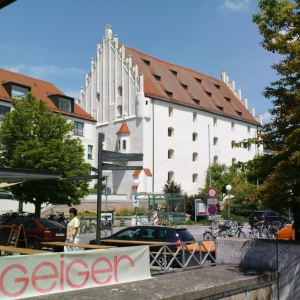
<point x="215" y="159"/>
<point x="170" y="131"/>
<point x="194" y="117"/>
<point x="215" y="141"/>
<point x="170" y="154"/>
<point x="195" y="156"/>
<point x="195" y="178"/>
<point x="215" y="122"/>
<point x="232" y="144"/>
<point x="120" y="110"/>
<point x="120" y="91"/>
<point x="170" y="176"/>
<point x="170" y="111"/>
<point x="233" y="161"/>
<point x="195" y="137"/>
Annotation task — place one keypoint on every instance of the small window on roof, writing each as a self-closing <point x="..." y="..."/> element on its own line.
<point x="227" y="99"/>
<point x="220" y="108"/>
<point x="184" y="86"/>
<point x="208" y="94"/>
<point x="147" y="62"/>
<point x="157" y="77"/>
<point x="197" y="101"/>
<point x="170" y="94"/>
<point x="239" y="113"/>
<point x="174" y="72"/>
<point x="217" y="86"/>
<point x="198" y="80"/>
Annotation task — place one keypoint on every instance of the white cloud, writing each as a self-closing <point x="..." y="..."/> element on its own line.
<point x="43" y="72"/>
<point x="266" y="118"/>
<point x="236" y="4"/>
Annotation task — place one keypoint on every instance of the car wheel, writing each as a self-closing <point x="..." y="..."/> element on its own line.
<point x="33" y="244"/>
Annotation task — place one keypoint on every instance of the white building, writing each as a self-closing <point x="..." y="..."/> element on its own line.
<point x="178" y="118"/>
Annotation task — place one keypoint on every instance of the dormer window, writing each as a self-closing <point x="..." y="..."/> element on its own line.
<point x="209" y="94"/>
<point x="220" y="108"/>
<point x="184" y="86"/>
<point x="227" y="99"/>
<point x="174" y="72"/>
<point x="170" y="94"/>
<point x="239" y="113"/>
<point x="157" y="77"/>
<point x="62" y="102"/>
<point x="16" y="90"/>
<point x="147" y="62"/>
<point x="197" y="101"/>
<point x="217" y="86"/>
<point x="198" y="80"/>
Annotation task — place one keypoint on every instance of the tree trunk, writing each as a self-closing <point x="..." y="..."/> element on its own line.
<point x="297" y="221"/>
<point x="37" y="211"/>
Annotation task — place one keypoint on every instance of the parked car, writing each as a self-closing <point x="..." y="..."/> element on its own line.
<point x="286" y="233"/>
<point x="148" y="233"/>
<point x="265" y="215"/>
<point x="37" y="231"/>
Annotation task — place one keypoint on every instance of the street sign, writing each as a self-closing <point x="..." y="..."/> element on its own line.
<point x="117" y="156"/>
<point x="135" y="203"/>
<point x="212" y="210"/>
<point x="212" y="201"/>
<point x="212" y="193"/>
<point x="117" y="167"/>
<point x="106" y="191"/>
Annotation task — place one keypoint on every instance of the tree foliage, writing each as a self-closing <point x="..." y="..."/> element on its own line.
<point x="279" y="24"/>
<point x="35" y="138"/>
<point x="171" y="187"/>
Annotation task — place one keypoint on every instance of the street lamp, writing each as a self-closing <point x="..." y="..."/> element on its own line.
<point x="228" y="189"/>
<point x="136" y="183"/>
<point x="106" y="173"/>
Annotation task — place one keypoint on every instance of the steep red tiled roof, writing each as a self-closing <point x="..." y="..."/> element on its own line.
<point x="123" y="128"/>
<point x="137" y="172"/>
<point x="187" y="87"/>
<point x="40" y="89"/>
<point x="147" y="172"/>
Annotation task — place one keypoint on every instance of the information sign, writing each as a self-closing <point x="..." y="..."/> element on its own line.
<point x="117" y="156"/>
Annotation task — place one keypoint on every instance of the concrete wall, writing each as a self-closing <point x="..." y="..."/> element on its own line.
<point x="272" y="255"/>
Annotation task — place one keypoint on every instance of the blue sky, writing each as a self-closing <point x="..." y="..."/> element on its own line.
<point x="55" y="40"/>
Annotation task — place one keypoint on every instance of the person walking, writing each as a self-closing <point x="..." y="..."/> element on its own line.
<point x="72" y="230"/>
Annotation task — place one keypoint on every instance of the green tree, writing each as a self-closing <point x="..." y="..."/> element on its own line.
<point x="171" y="187"/>
<point x="35" y="138"/>
<point x="279" y="24"/>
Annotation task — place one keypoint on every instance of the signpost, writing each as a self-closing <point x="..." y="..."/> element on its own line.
<point x="117" y="156"/>
<point x="211" y="207"/>
<point x="120" y="168"/>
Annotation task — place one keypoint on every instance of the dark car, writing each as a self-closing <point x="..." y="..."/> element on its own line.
<point x="37" y="231"/>
<point x="148" y="233"/>
<point x="265" y="215"/>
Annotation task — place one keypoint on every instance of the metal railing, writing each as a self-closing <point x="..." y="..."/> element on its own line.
<point x="164" y="260"/>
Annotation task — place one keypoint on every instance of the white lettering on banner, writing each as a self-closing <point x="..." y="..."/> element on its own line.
<point x="34" y="275"/>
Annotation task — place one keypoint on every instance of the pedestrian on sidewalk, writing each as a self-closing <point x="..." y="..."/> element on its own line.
<point x="72" y="230"/>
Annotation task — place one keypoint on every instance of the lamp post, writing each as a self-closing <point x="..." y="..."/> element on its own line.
<point x="136" y="182"/>
<point x="106" y="173"/>
<point x="228" y="189"/>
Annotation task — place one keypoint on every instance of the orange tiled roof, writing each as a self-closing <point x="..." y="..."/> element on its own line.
<point x="137" y="172"/>
<point x="123" y="128"/>
<point x="40" y="89"/>
<point x="187" y="87"/>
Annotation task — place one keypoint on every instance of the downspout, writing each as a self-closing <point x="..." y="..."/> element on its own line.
<point x="153" y="171"/>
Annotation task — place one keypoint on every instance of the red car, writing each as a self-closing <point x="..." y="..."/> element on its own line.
<point x="37" y="231"/>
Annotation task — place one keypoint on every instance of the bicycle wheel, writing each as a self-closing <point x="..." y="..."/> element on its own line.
<point x="241" y="234"/>
<point x="207" y="236"/>
<point x="92" y="228"/>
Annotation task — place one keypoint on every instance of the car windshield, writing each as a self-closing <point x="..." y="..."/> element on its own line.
<point x="127" y="234"/>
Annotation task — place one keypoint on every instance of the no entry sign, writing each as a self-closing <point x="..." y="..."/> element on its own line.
<point x="211" y="193"/>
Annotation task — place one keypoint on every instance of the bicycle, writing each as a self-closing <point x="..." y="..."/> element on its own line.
<point x="82" y="225"/>
<point x="237" y="230"/>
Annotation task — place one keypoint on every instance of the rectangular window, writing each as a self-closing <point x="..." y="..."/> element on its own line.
<point x="3" y="111"/>
<point x="65" y="104"/>
<point x="124" y="144"/>
<point x="78" y="128"/>
<point x="90" y="152"/>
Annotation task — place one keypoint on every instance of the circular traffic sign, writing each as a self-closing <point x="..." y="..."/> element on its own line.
<point x="212" y="193"/>
<point x="212" y="209"/>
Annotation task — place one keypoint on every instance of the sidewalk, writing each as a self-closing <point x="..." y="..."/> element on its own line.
<point x="202" y="283"/>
